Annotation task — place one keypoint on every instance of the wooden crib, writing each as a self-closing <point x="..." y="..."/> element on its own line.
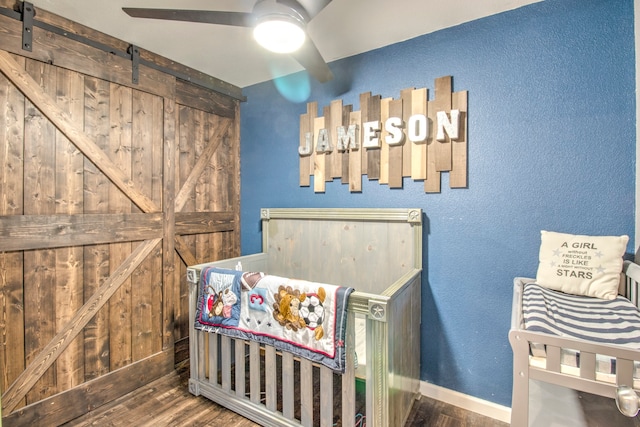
<point x="587" y="376"/>
<point x="378" y="252"/>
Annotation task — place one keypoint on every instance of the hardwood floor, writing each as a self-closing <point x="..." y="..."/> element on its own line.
<point x="164" y="402"/>
<point x="429" y="412"/>
<point x="167" y="402"/>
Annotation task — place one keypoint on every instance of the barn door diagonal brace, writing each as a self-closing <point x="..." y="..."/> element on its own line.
<point x="38" y="366"/>
<point x="48" y="106"/>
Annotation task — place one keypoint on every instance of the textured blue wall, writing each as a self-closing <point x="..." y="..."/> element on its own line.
<point x="551" y="146"/>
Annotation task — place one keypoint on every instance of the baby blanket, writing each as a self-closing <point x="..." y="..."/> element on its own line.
<point x="305" y="318"/>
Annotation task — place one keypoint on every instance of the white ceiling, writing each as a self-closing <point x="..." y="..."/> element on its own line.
<point x="344" y="28"/>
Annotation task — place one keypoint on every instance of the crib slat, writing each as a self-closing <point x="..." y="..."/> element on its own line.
<point x="225" y="347"/>
<point x="633" y="291"/>
<point x="270" y="377"/>
<point x="200" y="364"/>
<point x="624" y="372"/>
<point x="588" y="365"/>
<point x="632" y="272"/>
<point x="348" y="379"/>
<point x="213" y="358"/>
<point x="306" y="392"/>
<point x="553" y="358"/>
<point x="326" y="396"/>
<point x="254" y="371"/>
<point x="287" y="385"/>
<point x="239" y="367"/>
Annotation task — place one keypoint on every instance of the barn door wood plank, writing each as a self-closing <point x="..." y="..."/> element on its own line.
<point x="26" y="232"/>
<point x="11" y="203"/>
<point x="59" y="118"/>
<point x="201" y="184"/>
<point x="234" y="191"/>
<point x="201" y="164"/>
<point x="96" y="201"/>
<point x="169" y="218"/>
<point x="193" y="95"/>
<point x="226" y="165"/>
<point x="62" y="339"/>
<point x="157" y="182"/>
<point x="12" y="105"/>
<point x="39" y="199"/>
<point x="145" y="331"/>
<point x="69" y="200"/>
<point x="184" y="245"/>
<point x="120" y="151"/>
<point x="216" y="178"/>
<point x="12" y="349"/>
<point x="180" y="329"/>
<point x="203" y="222"/>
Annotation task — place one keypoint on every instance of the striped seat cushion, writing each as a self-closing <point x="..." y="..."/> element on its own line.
<point x="614" y="321"/>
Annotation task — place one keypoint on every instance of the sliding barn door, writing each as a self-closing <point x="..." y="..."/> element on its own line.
<point x="206" y="211"/>
<point x="108" y="190"/>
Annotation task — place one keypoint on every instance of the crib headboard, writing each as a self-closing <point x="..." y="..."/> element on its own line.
<point x="365" y="248"/>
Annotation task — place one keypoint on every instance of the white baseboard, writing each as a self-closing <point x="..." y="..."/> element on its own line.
<point x="464" y="401"/>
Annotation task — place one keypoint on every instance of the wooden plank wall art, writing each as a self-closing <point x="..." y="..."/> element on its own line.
<point x="387" y="140"/>
<point x="112" y="181"/>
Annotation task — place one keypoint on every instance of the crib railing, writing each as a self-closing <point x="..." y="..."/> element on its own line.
<point x="270" y="387"/>
<point x="382" y="396"/>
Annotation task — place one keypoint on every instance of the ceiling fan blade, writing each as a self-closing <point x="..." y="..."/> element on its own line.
<point x="310" y="58"/>
<point x="238" y="19"/>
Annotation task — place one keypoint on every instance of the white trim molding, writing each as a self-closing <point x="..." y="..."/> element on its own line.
<point x="467" y="402"/>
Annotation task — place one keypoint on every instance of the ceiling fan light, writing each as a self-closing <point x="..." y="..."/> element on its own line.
<point x="279" y="34"/>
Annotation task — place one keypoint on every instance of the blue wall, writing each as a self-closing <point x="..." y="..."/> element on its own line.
<point x="551" y="146"/>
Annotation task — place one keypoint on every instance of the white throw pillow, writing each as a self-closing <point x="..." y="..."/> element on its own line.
<point x="581" y="265"/>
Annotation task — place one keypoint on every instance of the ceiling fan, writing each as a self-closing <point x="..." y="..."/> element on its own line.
<point x="266" y="18"/>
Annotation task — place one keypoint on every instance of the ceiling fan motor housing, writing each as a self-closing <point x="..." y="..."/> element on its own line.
<point x="272" y="9"/>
